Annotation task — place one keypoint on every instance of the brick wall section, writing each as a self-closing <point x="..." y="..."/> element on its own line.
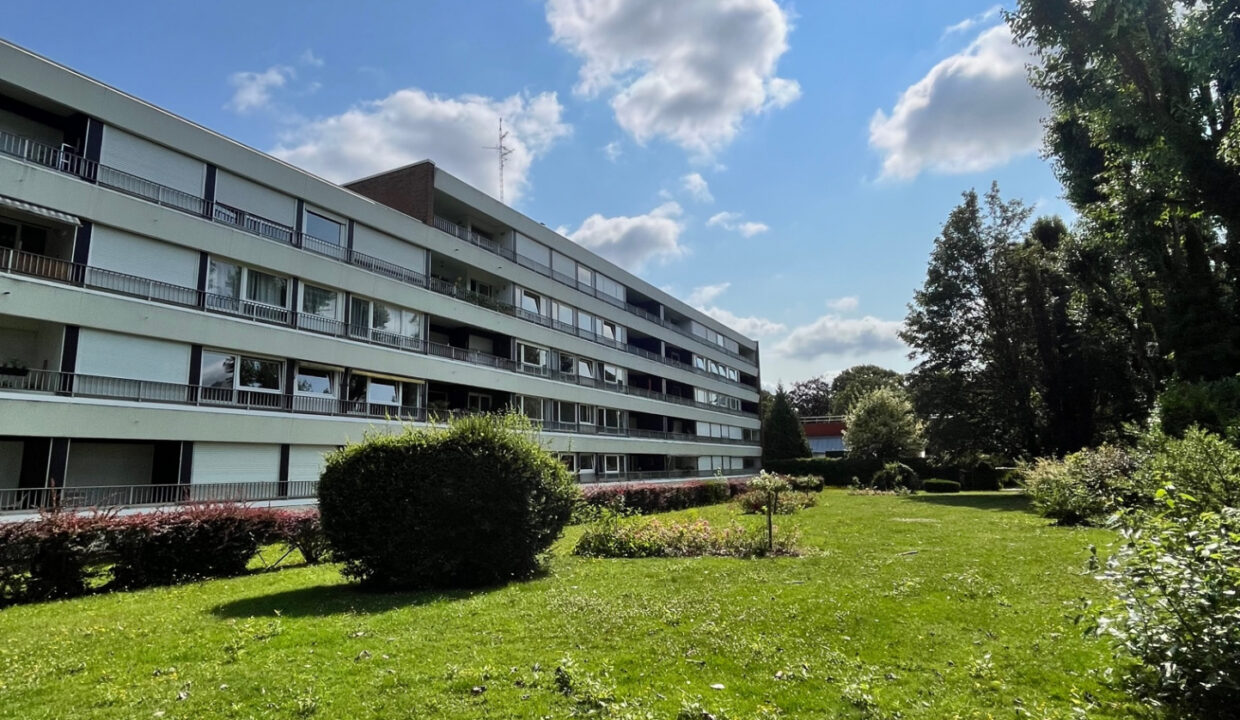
<point x="410" y="190"/>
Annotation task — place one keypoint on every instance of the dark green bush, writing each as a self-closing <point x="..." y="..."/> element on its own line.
<point x="1084" y="486"/>
<point x="614" y="536"/>
<point x="1214" y="406"/>
<point x="895" y="476"/>
<point x="470" y="504"/>
<point x="936" y="485"/>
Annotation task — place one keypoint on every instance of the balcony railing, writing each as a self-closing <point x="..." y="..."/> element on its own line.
<point x="154" y="290"/>
<point x="564" y="279"/>
<point x="65" y="161"/>
<point x="28" y="500"/>
<point x="271" y="400"/>
<point x="114" y="496"/>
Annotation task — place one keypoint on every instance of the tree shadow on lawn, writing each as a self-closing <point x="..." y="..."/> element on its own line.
<point x="994" y="501"/>
<point x="325" y="600"/>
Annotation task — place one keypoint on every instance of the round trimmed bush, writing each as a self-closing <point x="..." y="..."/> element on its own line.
<point x="895" y="475"/>
<point x="471" y="504"/>
<point x="935" y="485"/>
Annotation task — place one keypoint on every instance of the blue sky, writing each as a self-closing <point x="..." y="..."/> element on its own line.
<point x="785" y="166"/>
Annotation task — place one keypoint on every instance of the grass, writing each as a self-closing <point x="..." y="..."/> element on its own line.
<point x="956" y="606"/>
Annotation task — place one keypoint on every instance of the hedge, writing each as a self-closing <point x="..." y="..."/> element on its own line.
<point x="936" y="485"/>
<point x="66" y="554"/>
<point x="646" y="498"/>
<point x="839" y="472"/>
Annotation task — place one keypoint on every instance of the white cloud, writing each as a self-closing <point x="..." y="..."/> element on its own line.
<point x="688" y="71"/>
<point x="982" y="18"/>
<point x="631" y="242"/>
<point x="974" y="110"/>
<point x="844" y="304"/>
<point x="612" y="150"/>
<point x="731" y="221"/>
<point x="704" y="294"/>
<point x="835" y="335"/>
<point x="309" y="58"/>
<point x="410" y="125"/>
<point x="697" y="187"/>
<point x="252" y="90"/>
<point x="754" y="327"/>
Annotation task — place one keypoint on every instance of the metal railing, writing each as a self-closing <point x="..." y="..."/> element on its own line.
<point x="154" y="290"/>
<point x="115" y="496"/>
<point x="273" y="400"/>
<point x="65" y="161"/>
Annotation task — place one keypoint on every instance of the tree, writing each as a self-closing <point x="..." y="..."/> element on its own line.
<point x="811" y="398"/>
<point x="1143" y="132"/>
<point x="882" y="426"/>
<point x="783" y="438"/>
<point x="857" y="381"/>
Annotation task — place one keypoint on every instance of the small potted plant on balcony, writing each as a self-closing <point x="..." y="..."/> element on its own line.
<point x="15" y="367"/>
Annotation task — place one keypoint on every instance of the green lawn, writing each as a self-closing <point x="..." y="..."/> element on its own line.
<point x="925" y="607"/>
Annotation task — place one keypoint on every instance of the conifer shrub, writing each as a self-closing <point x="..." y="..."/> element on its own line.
<point x="470" y="504"/>
<point x="936" y="485"/>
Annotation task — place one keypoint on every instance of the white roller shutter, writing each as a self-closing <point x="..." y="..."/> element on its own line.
<point x="386" y="247"/>
<point x="305" y="462"/>
<point x="123" y="252"/>
<point x="109" y="354"/>
<point x="235" y="463"/>
<point x="254" y="198"/>
<point x="153" y="162"/>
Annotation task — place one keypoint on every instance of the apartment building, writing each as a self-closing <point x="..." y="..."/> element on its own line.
<point x="183" y="317"/>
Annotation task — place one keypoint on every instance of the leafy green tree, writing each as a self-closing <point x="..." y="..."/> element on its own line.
<point x="882" y="426"/>
<point x="858" y="381"/>
<point x="1143" y="133"/>
<point x="783" y="437"/>
<point x="811" y="398"/>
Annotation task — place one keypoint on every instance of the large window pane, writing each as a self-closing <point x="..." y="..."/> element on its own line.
<point x="260" y="374"/>
<point x="531" y="355"/>
<point x="218" y="370"/>
<point x="359" y="315"/>
<point x="531" y="302"/>
<point x="266" y="289"/>
<point x="357" y="388"/>
<point x="224" y="279"/>
<point x="319" y="301"/>
<point x="324" y="229"/>
<point x="383" y="392"/>
<point x="315" y="381"/>
<point x="385" y="318"/>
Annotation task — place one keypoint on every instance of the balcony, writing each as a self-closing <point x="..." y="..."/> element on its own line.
<point x="53" y="269"/>
<point x="51" y="382"/>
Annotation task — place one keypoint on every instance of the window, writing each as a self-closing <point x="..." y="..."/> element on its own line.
<point x="585" y="463"/>
<point x="566" y="412"/>
<point x="531" y="407"/>
<point x="563" y="265"/>
<point x="323" y="228"/>
<point x="374" y="390"/>
<point x="477" y="402"/>
<point x="609" y="418"/>
<point x="585" y="414"/>
<point x="570" y="461"/>
<point x="607" y="329"/>
<point x="613" y="375"/>
<point x="314" y="381"/>
<point x="585" y="276"/>
<point x="530" y="302"/>
<point x="585" y="321"/>
<point x="568" y="364"/>
<point x="481" y="288"/>
<point x="320" y="301"/>
<point x="266" y="289"/>
<point x="563" y="313"/>
<point x="224" y="279"/>
<point x="585" y="368"/>
<point x="532" y="356"/>
<point x="611" y="464"/>
<point x="607" y="286"/>
<point x="383" y="323"/>
<point x="222" y="373"/>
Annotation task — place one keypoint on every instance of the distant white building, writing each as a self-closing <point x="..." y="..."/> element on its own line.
<point x="183" y="317"/>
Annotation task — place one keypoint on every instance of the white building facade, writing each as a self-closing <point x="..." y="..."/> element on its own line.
<point x="182" y="317"/>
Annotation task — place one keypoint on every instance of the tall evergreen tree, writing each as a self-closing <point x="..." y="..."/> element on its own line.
<point x="783" y="438"/>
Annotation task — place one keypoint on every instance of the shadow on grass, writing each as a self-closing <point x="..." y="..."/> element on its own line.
<point x="1005" y="501"/>
<point x="325" y="600"/>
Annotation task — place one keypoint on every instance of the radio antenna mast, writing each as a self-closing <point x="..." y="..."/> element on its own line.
<point x="503" y="151"/>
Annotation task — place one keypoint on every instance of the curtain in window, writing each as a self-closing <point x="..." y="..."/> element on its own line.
<point x="266" y="289"/>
